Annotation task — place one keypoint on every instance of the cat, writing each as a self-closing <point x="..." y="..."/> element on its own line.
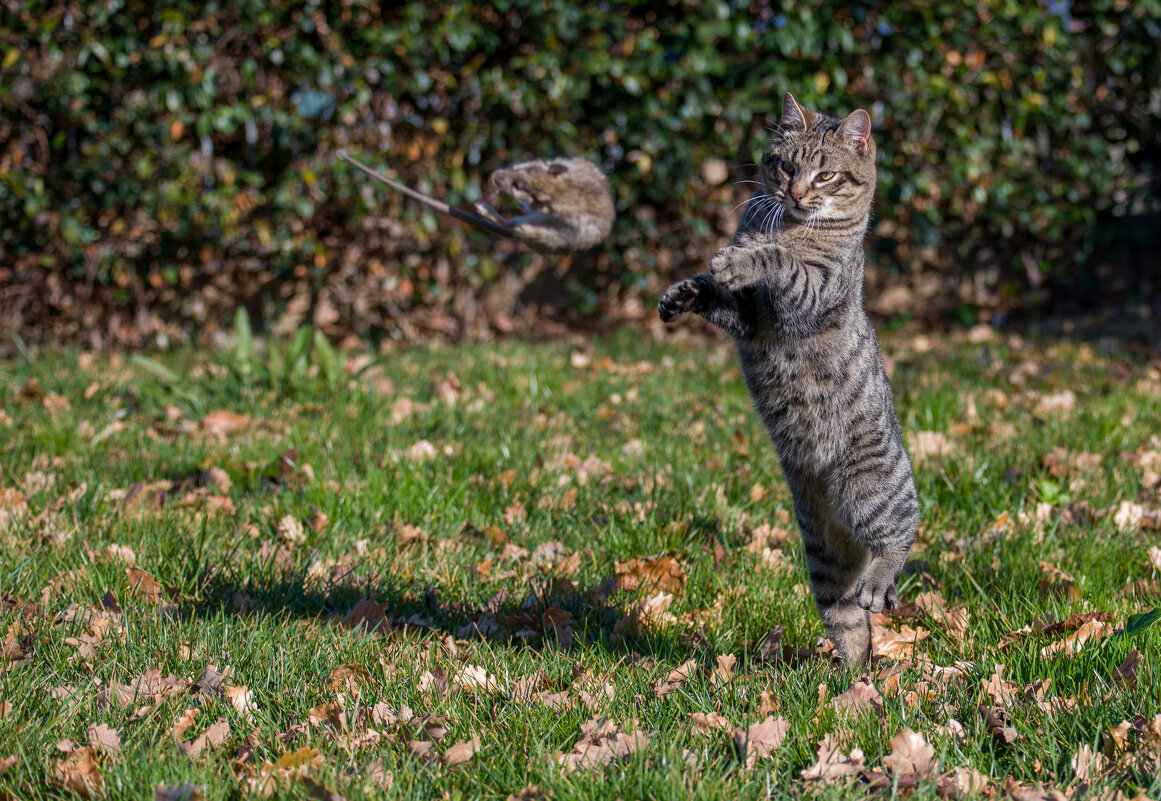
<point x="789" y="292"/>
<point x="567" y="203"/>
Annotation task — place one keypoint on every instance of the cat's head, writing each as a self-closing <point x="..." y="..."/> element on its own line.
<point x="819" y="164"/>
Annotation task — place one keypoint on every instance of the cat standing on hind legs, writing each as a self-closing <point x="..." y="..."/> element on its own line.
<point x="789" y="292"/>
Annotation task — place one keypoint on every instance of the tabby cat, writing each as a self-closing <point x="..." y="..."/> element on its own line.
<point x="789" y="291"/>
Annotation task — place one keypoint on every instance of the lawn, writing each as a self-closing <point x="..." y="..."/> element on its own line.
<point x="563" y="570"/>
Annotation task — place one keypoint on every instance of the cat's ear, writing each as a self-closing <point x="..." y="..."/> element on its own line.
<point x="794" y="116"/>
<point x="855" y="131"/>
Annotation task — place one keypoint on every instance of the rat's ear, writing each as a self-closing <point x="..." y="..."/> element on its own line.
<point x="855" y="131"/>
<point x="794" y="116"/>
<point x="557" y="168"/>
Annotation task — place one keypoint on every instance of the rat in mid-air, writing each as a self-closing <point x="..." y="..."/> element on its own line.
<point x="567" y="204"/>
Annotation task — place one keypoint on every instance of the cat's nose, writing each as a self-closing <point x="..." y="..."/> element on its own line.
<point x="798" y="196"/>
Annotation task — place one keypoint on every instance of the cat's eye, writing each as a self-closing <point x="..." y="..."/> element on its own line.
<point x="824" y="176"/>
<point x="787" y="167"/>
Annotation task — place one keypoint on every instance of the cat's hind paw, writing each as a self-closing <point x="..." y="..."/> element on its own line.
<point x="876" y="588"/>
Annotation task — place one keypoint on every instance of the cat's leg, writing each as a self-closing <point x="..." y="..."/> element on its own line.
<point x="834" y="563"/>
<point x="702" y="295"/>
<point x="800" y="298"/>
<point x="881" y="507"/>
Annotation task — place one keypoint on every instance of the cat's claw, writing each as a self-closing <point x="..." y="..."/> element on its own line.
<point x="876" y="588"/>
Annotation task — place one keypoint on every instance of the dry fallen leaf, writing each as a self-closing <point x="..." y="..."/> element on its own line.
<point x="104" y="738"/>
<point x="1091" y="631"/>
<point x="223" y="422"/>
<point x="368" y="616"/>
<point x="832" y="764"/>
<point x="761" y="739"/>
<point x="651" y="573"/>
<point x="961" y="782"/>
<point x="143" y="585"/>
<point x="897" y="645"/>
<point x="7" y="763"/>
<point x="601" y="742"/>
<point x="1126" y="672"/>
<point x="1087" y="764"/>
<point x="910" y="754"/>
<point x="996" y="723"/>
<point x="214" y="735"/>
<point x="929" y="444"/>
<point x="1001" y="691"/>
<point x="858" y="699"/>
<point x="709" y="722"/>
<point x="79" y="772"/>
<point x="724" y="670"/>
<point x="348" y="678"/>
<point x="461" y="752"/>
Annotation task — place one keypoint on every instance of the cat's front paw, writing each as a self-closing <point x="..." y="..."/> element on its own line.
<point x="730" y="268"/>
<point x="876" y="588"/>
<point x="682" y="297"/>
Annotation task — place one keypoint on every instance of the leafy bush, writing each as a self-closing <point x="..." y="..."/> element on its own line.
<point x="178" y="158"/>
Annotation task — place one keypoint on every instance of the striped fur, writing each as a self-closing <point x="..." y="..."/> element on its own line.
<point x="789" y="291"/>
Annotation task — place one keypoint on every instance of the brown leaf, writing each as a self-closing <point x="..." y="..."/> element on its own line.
<point x="1020" y="792"/>
<point x="961" y="782"/>
<point x="223" y="422"/>
<point x="898" y="645"/>
<point x="650" y="574"/>
<point x="79" y="773"/>
<point x="996" y="723"/>
<point x="861" y="696"/>
<point x="143" y="585"/>
<point x="214" y="735"/>
<point x="768" y="703"/>
<point x="707" y="723"/>
<point x="529" y="793"/>
<point x="761" y="739"/>
<point x="676" y="678"/>
<point x="832" y="764"/>
<point x="1086" y="764"/>
<point x="928" y="445"/>
<point x="7" y="763"/>
<point x="724" y="670"/>
<point x="1126" y="672"/>
<point x="1090" y="631"/>
<point x="461" y="752"/>
<point x="368" y="616"/>
<point x="104" y="738"/>
<point x="558" y="702"/>
<point x="601" y="743"/>
<point x="241" y="699"/>
<point x="183" y="722"/>
<point x="1001" y="691"/>
<point x="910" y="754"/>
<point x="348" y="678"/>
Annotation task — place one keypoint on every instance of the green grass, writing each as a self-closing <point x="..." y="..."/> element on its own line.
<point x="628" y="448"/>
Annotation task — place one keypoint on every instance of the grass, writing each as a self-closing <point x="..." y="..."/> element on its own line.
<point x="412" y="478"/>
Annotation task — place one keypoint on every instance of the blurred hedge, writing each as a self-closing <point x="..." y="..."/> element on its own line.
<point x="162" y="162"/>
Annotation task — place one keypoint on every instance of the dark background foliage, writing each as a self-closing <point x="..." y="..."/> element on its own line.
<point x="161" y="163"/>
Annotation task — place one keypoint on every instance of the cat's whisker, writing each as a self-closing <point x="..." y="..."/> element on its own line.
<point x="756" y="196"/>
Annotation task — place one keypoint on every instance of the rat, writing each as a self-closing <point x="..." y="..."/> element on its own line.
<point x="567" y="203"/>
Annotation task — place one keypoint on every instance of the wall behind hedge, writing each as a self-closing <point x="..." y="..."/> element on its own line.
<point x="162" y="162"/>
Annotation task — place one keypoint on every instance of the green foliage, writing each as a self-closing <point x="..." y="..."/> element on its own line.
<point x="148" y="150"/>
<point x="308" y="362"/>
